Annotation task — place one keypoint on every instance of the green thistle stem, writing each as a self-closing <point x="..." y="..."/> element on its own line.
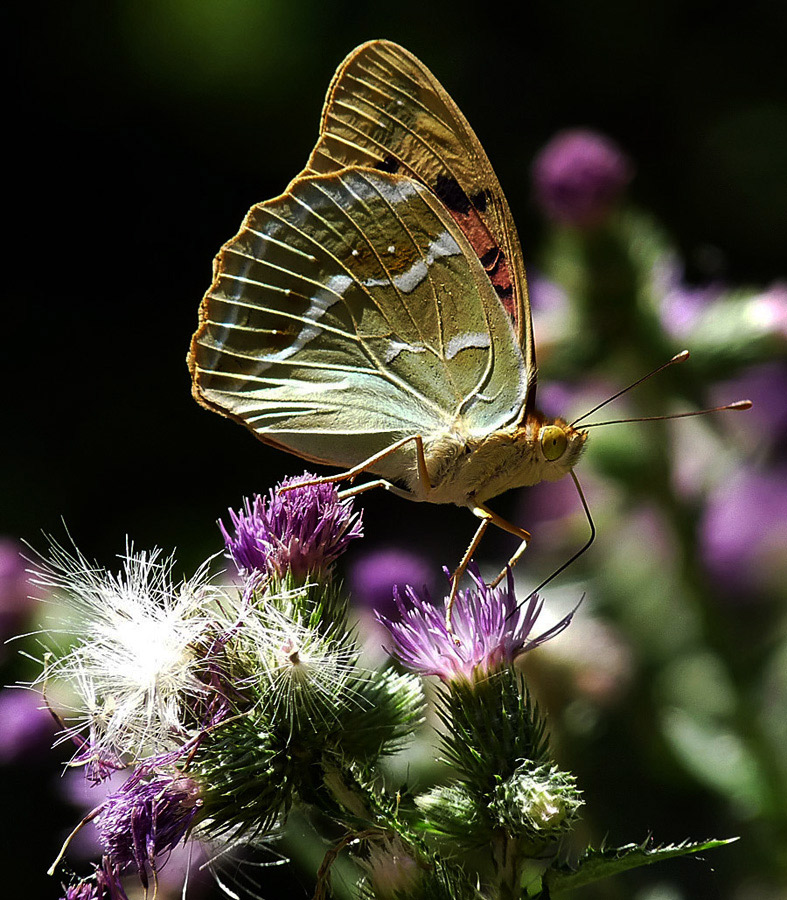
<point x="356" y="802"/>
<point x="506" y="863"/>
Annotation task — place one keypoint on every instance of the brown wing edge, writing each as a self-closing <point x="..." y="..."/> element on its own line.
<point x="191" y="356"/>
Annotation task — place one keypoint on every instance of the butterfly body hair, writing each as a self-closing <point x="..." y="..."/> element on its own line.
<point x="466" y="470"/>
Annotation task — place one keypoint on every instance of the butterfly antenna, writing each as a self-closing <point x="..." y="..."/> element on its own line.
<point x="678" y="358"/>
<point x="579" y="552"/>
<point x="738" y="404"/>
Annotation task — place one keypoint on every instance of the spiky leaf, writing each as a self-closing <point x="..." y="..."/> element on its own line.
<point x="597" y="864"/>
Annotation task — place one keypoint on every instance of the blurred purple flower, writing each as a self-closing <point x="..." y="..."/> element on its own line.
<point x="26" y="729"/>
<point x="15" y="600"/>
<point x="579" y="175"/>
<point x="744" y="529"/>
<point x="556" y="398"/>
<point x="682" y="305"/>
<point x="373" y="577"/>
<point x="146" y="819"/>
<point x="547" y="502"/>
<point x="552" y="316"/>
<point x="571" y="400"/>
<point x="546" y="295"/>
<point x="301" y="531"/>
<point x="489" y="630"/>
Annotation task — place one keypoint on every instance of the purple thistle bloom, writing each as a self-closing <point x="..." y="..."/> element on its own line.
<point x="300" y="531"/>
<point x="579" y="175"/>
<point x="765" y="385"/>
<point x="681" y="304"/>
<point x="87" y="795"/>
<point x="85" y="890"/>
<point x="490" y="630"/>
<point x="104" y="884"/>
<point x="146" y="818"/>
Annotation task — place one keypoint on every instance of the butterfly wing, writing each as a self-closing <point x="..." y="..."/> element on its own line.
<point x="351" y="312"/>
<point x="385" y="110"/>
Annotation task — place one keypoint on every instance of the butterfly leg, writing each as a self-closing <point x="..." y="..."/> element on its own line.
<point x="488" y="517"/>
<point x="462" y="567"/>
<point x="369" y="485"/>
<point x="423" y="474"/>
<point x="524" y="537"/>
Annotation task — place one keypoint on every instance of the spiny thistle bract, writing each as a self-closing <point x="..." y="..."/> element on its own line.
<point x="228" y="706"/>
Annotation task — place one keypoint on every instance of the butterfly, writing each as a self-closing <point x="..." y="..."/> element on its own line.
<point x="375" y="316"/>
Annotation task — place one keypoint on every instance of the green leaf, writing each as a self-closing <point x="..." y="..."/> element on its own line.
<point x="597" y="864"/>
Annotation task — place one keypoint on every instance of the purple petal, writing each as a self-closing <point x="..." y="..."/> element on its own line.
<point x="488" y="631"/>
<point x="298" y="531"/>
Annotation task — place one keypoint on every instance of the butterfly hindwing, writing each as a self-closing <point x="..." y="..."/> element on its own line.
<point x="351" y="312"/>
<point x="385" y="110"/>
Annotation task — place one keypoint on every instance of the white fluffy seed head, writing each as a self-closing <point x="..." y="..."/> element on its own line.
<point x="299" y="669"/>
<point x="140" y="648"/>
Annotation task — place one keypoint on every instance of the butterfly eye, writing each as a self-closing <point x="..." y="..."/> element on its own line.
<point x="553" y="442"/>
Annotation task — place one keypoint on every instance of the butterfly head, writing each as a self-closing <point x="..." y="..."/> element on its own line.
<point x="559" y="446"/>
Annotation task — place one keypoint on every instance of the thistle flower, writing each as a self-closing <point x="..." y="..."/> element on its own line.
<point x="297" y="668"/>
<point x="146" y="819"/>
<point x="300" y="531"/>
<point x="540" y="801"/>
<point x="766" y="422"/>
<point x="139" y="653"/>
<point x="681" y="305"/>
<point x="744" y="528"/>
<point x="489" y="630"/>
<point x="579" y="175"/>
<point x="103" y="884"/>
<point x="85" y="890"/>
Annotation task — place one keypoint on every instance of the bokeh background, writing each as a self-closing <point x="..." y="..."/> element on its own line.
<point x="138" y="134"/>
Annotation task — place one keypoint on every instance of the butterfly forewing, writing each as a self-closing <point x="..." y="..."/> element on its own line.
<point x="385" y="110"/>
<point x="351" y="312"/>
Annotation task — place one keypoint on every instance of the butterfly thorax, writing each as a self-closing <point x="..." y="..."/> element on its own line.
<point x="465" y="470"/>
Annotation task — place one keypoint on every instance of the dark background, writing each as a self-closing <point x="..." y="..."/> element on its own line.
<point x="137" y="135"/>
